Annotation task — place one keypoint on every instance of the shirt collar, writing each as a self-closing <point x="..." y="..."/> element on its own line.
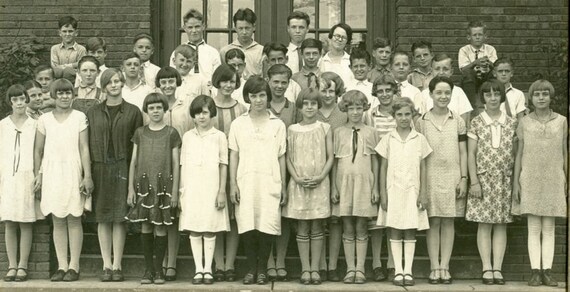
<point x="473" y="49"/>
<point x="211" y="131"/>
<point x="305" y="72"/>
<point x="74" y="46"/>
<point x="489" y="121"/>
<point x="345" y="56"/>
<point x="413" y="134"/>
<point x="92" y="86"/>
<point x="136" y="86"/>
<point x="104" y="107"/>
<point x="32" y="112"/>
<point x="378" y="113"/>
<point x="146" y="64"/>
<point x="201" y="42"/>
<point x="292" y="47"/>
<point x="271" y="115"/>
<point x="421" y="72"/>
<point x="427" y="115"/>
<point x="239" y="45"/>
<point x="508" y="87"/>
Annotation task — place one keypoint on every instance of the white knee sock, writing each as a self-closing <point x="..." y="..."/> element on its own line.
<point x="534" y="227"/>
<point x="209" y="246"/>
<point x="396" y="246"/>
<point x="409" y="250"/>
<point x="547" y="242"/>
<point x="197" y="247"/>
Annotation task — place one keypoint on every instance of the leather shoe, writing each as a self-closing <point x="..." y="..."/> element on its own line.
<point x="487" y="281"/>
<point x="547" y="279"/>
<point x="535" y="278"/>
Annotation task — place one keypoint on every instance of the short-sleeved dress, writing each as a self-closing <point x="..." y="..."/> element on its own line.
<point x="153" y="175"/>
<point x="61" y="164"/>
<point x="354" y="176"/>
<point x="443" y="166"/>
<point x="542" y="178"/>
<point x="17" y="198"/>
<point x="307" y="151"/>
<point x="403" y="180"/>
<point x="495" y="161"/>
<point x="258" y="174"/>
<point x="200" y="158"/>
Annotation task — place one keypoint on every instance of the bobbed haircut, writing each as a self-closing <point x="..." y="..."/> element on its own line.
<point x="299" y="15"/>
<point x="381" y="43"/>
<point x="245" y="14"/>
<point x="360" y="54"/>
<point x="42" y="68"/>
<point x="143" y="35"/>
<point x="32" y="84"/>
<point x="312" y="94"/>
<point x="439" y="79"/>
<point x="398" y="53"/>
<point x="86" y="59"/>
<point x="312" y="43"/>
<point x="504" y="60"/>
<point x="327" y="77"/>
<point x="541" y="84"/>
<point x="110" y="73"/>
<point x="279" y="69"/>
<point x="167" y="73"/>
<point x="495" y="85"/>
<point x="60" y="84"/>
<point x="16" y="90"/>
<point x="353" y="98"/>
<point x="272" y="46"/>
<point x="155" y="97"/>
<point x="256" y="84"/>
<point x="385" y="79"/>
<point x="67" y="20"/>
<point x="421" y="44"/>
<point x="193" y="13"/>
<point x="95" y="43"/>
<point x="402" y="102"/>
<point x="200" y="102"/>
<point x="186" y="51"/>
<point x="346" y="28"/>
<point x="223" y="73"/>
<point x="234" y="53"/>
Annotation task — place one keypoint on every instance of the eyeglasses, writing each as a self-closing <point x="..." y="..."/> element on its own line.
<point x="338" y="37"/>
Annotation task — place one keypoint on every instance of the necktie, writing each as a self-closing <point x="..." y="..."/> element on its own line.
<point x="16" y="164"/>
<point x="141" y="74"/>
<point x="476" y="54"/>
<point x="354" y="142"/>
<point x="311" y="80"/>
<point x="196" y="67"/>
<point x="300" y="58"/>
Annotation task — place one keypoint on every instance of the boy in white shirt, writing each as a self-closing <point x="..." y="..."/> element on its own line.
<point x="515" y="104"/>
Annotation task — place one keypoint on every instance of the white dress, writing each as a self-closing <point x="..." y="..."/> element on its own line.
<point x="200" y="157"/>
<point x="17" y="198"/>
<point x="403" y="180"/>
<point x="258" y="173"/>
<point x="61" y="164"/>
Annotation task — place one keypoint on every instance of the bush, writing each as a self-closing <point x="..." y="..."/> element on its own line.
<point x="556" y="53"/>
<point x="18" y="60"/>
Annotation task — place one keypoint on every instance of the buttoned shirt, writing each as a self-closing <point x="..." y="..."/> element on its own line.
<point x="515" y="99"/>
<point x="468" y="53"/>
<point x="62" y="57"/>
<point x="378" y="71"/>
<point x="420" y="79"/>
<point x="293" y="57"/>
<point x="150" y="70"/>
<point x="253" y="57"/>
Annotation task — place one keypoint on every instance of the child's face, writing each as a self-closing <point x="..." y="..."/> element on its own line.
<point x="244" y="31"/>
<point x="492" y="99"/>
<point x="131" y="67"/>
<point x="311" y="57"/>
<point x="67" y="34"/>
<point x="276" y="57"/>
<point x="238" y="64"/>
<point x="339" y="39"/>
<point x="19" y="103"/>
<point x="477" y="36"/>
<point x="144" y="48"/>
<point x="278" y="84"/>
<point x="503" y="72"/>
<point x="36" y="98"/>
<point x="541" y="99"/>
<point x="297" y="29"/>
<point x="183" y="65"/>
<point x="168" y="86"/>
<point x="88" y="72"/>
<point x="155" y="112"/>
<point x="442" y="68"/>
<point x="309" y="109"/>
<point x="63" y="99"/>
<point x="382" y="56"/>
<point x="45" y="78"/>
<point x="385" y="94"/>
<point x="355" y="112"/>
<point x="329" y="93"/>
<point x="227" y="87"/>
<point x="202" y="119"/>
<point x="258" y="101"/>
<point x="360" y="69"/>
<point x="423" y="57"/>
<point x="403" y="117"/>
<point x="115" y="86"/>
<point x="401" y="67"/>
<point x="99" y="54"/>
<point x="194" y="29"/>
<point x="441" y="95"/>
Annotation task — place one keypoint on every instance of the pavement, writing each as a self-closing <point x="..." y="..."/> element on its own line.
<point x="133" y="284"/>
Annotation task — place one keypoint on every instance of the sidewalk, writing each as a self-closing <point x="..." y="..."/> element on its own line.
<point x="132" y="284"/>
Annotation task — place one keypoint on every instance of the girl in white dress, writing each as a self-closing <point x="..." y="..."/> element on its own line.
<point x="402" y="192"/>
<point x="63" y="169"/>
<point x="18" y="205"/>
<point x="204" y="160"/>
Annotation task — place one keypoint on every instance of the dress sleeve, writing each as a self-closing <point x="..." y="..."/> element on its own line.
<point x="175" y="140"/>
<point x="82" y="120"/>
<point x="461" y="129"/>
<point x="426" y="148"/>
<point x="232" y="139"/>
<point x="281" y="139"/>
<point x="473" y="130"/>
<point x="136" y="136"/>
<point x="371" y="141"/>
<point x="223" y="148"/>
<point x="382" y="147"/>
<point x="520" y="129"/>
<point x="41" y="127"/>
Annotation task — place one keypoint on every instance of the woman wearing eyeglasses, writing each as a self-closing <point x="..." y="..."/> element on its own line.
<point x="336" y="59"/>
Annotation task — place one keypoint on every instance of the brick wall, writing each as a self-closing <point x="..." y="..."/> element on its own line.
<point x="39" y="262"/>
<point x="115" y="21"/>
<point x="516" y="28"/>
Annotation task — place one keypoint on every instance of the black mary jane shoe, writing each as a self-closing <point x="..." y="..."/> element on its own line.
<point x="170" y="277"/>
<point x="208" y="280"/>
<point x="248" y="279"/>
<point x="11" y="278"/>
<point x="498" y="281"/>
<point x="198" y="278"/>
<point x="487" y="281"/>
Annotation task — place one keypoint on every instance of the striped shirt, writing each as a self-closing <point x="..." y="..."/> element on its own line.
<point x="382" y="123"/>
<point x="226" y="115"/>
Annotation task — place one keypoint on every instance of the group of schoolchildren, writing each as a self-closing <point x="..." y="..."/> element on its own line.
<point x="260" y="141"/>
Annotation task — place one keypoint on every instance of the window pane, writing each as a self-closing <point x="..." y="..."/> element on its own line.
<point x="186" y="5"/>
<point x="324" y="37"/>
<point x="358" y="37"/>
<point x="355" y="13"/>
<point x="217" y="13"/>
<point x="237" y="4"/>
<point x="307" y="6"/>
<point x="217" y="39"/>
<point x="329" y="13"/>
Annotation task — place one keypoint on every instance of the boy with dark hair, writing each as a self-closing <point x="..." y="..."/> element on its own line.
<point x="360" y="65"/>
<point x="422" y="73"/>
<point x="381" y="51"/>
<point x="65" y="56"/>
<point x="275" y="53"/>
<point x="297" y="28"/>
<point x="307" y="77"/>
